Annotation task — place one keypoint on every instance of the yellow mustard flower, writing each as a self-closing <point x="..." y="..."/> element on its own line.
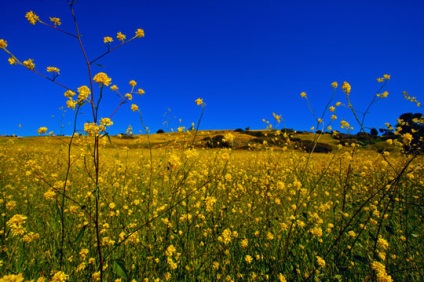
<point x="386" y="76"/>
<point x="107" y="39"/>
<point x="60" y="276"/>
<point x="32" y="17"/>
<point x="139" y="33"/>
<point x="134" y="107"/>
<point x="71" y="103"/>
<point x="106" y="122"/>
<point x="332" y="109"/>
<point x="140" y="91"/>
<point x="12" y="61"/>
<point x="334" y="84"/>
<point x="120" y="36"/>
<point x="248" y="259"/>
<point x="102" y="79"/>
<point x="53" y="69"/>
<point x="13" y="277"/>
<point x="346" y="87"/>
<point x="3" y="44"/>
<point x="55" y="21"/>
<point x="303" y="94"/>
<point x="199" y="101"/>
<point x="381" y="273"/>
<point x="29" y="64"/>
<point x="42" y="130"/>
<point x="69" y="93"/>
<point x="277" y="117"/>
<point x="133" y="83"/>
<point x="129" y="96"/>
<point x="320" y="261"/>
<point x="84" y="92"/>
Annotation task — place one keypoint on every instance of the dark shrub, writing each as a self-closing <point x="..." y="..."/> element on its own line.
<point x="160" y="131"/>
<point x="308" y="146"/>
<point x="216" y="142"/>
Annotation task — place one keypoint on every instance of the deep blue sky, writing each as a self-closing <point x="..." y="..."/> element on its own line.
<point x="246" y="59"/>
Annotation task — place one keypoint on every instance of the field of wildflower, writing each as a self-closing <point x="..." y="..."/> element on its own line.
<point x="206" y="206"/>
<point x="182" y="213"/>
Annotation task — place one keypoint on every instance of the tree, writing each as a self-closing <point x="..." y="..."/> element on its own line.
<point x="374" y="132"/>
<point x="410" y="127"/>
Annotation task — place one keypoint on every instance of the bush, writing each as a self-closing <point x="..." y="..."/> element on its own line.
<point x="217" y="142"/>
<point x="309" y="146"/>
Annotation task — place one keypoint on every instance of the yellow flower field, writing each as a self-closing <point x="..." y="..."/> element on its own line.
<point x="183" y="213"/>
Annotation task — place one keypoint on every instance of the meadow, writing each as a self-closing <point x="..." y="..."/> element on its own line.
<point x="184" y="212"/>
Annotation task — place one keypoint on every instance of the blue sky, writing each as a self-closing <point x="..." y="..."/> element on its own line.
<point x="246" y="59"/>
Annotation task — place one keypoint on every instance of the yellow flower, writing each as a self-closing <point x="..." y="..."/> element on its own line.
<point x="29" y="64"/>
<point x="317" y="231"/>
<point x="351" y="233"/>
<point x="277" y="117"/>
<point x="128" y="96"/>
<point x="106" y="121"/>
<point x="386" y="76"/>
<point x="334" y="84"/>
<point x="12" y="61"/>
<point x="16" y="223"/>
<point x="71" y="103"/>
<point x="120" y="36"/>
<point x="384" y="94"/>
<point x="12" y="278"/>
<point x="3" y="44"/>
<point x="199" y="101"/>
<point x="139" y="33"/>
<point x="59" y="277"/>
<point x="42" y="130"/>
<point x="244" y="243"/>
<point x="53" y="69"/>
<point x="170" y="251"/>
<point x="102" y="79"/>
<point x="55" y="21"/>
<point x="303" y="94"/>
<point x="69" y="93"/>
<point x="344" y="124"/>
<point x="346" y="88"/>
<point x="133" y="83"/>
<point x="281" y="278"/>
<point x="140" y="91"/>
<point x="134" y="107"/>
<point x="381" y="273"/>
<point x="107" y="39"/>
<point x="332" y="109"/>
<point x="248" y="259"/>
<point x="320" y="261"/>
<point x="32" y="17"/>
<point x="114" y="87"/>
<point x="84" y="92"/>
<point x="407" y="138"/>
<point x="226" y="236"/>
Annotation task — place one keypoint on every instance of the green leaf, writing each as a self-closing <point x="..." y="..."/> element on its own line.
<point x="119" y="268"/>
<point x="80" y="235"/>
